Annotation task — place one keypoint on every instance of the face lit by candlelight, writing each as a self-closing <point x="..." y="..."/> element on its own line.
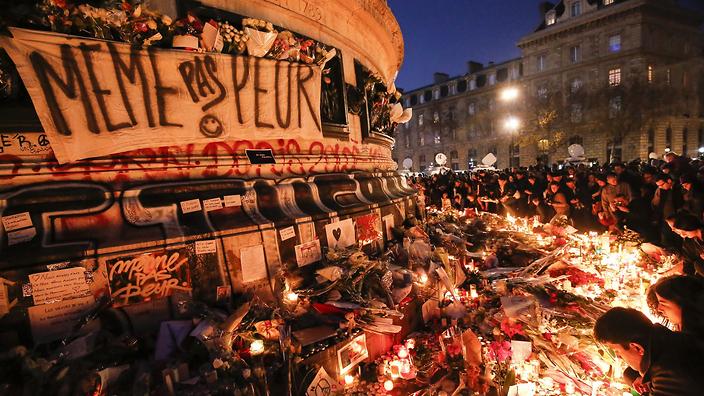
<point x="633" y="355"/>
<point x="670" y="310"/>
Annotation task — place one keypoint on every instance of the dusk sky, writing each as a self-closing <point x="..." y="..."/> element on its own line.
<point x="442" y="35"/>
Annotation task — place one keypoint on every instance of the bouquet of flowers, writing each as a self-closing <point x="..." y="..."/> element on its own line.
<point x="261" y="36"/>
<point x="235" y="40"/>
<point x="186" y="32"/>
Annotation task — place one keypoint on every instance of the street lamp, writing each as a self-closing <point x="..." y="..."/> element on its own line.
<point x="509" y="94"/>
<point x="512" y="123"/>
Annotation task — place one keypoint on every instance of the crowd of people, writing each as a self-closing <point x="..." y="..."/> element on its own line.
<point x="662" y="201"/>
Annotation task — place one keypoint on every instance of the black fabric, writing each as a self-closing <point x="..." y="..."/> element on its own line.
<point x="673" y="364"/>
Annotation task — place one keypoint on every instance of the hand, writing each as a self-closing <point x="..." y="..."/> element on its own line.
<point x="640" y="387"/>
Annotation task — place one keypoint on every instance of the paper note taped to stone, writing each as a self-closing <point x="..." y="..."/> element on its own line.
<point x="16" y="221"/>
<point x="51" y="321"/>
<point x="21" y="236"/>
<point x="52" y="286"/>
<point x="287" y="233"/>
<point x="233" y="200"/>
<point x="192" y="205"/>
<point x="204" y="247"/>
<point x="253" y="263"/>
<point x="212" y="204"/>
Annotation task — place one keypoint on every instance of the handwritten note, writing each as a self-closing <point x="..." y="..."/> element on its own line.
<point x="52" y="286"/>
<point x="212" y="204"/>
<point x="340" y="234"/>
<point x="308" y="253"/>
<point x="16" y="221"/>
<point x="233" y="200"/>
<point x="287" y="233"/>
<point x="253" y="263"/>
<point x="204" y="247"/>
<point x="5" y="304"/>
<point x="52" y="321"/>
<point x="192" y="205"/>
<point x="26" y="235"/>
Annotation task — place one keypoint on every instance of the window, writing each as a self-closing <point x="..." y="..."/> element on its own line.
<point x="455" y="166"/>
<point x="615" y="77"/>
<point x="540" y="63"/>
<point x="575" y="54"/>
<point x="471" y="109"/>
<point x="443" y="91"/>
<point x="493" y="150"/>
<point x="436" y="137"/>
<point x="615" y="43"/>
<point x="436" y="94"/>
<point x="472" y="85"/>
<point x="700" y="137"/>
<point x="608" y="2"/>
<point x="685" y="138"/>
<point x="461" y="85"/>
<point x="451" y="115"/>
<point x="453" y="88"/>
<point x="576" y="9"/>
<point x="436" y="117"/>
<point x="420" y="120"/>
<point x="651" y="140"/>
<point x="421" y="159"/>
<point x="542" y="92"/>
<point x="668" y="138"/>
<point x="453" y="155"/>
<point x="492" y="104"/>
<point x="576" y="85"/>
<point x="492" y="79"/>
<point x="543" y="145"/>
<point x="576" y="113"/>
<point x="614" y="150"/>
<point x="472" y="131"/>
<point x="421" y="139"/>
<point x="428" y="95"/>
<point x="650" y="73"/>
<point x="614" y="106"/>
<point x="576" y="140"/>
<point x="514" y="157"/>
<point x="471" y="153"/>
<point x="550" y="18"/>
<point x="407" y="141"/>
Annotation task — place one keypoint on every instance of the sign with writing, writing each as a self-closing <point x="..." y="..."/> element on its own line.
<point x="258" y="157"/>
<point x="52" y="286"/>
<point x="308" y="253"/>
<point x="25" y="235"/>
<point x="207" y="246"/>
<point x="322" y="384"/>
<point x="287" y="233"/>
<point x="96" y="97"/>
<point x="147" y="276"/>
<point x="16" y="221"/>
<point x="52" y="321"/>
<point x="212" y="204"/>
<point x="253" y="263"/>
<point x="232" y="200"/>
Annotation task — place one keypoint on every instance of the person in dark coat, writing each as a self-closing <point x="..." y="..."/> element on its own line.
<point x="669" y="363"/>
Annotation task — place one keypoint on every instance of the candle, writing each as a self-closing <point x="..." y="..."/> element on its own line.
<point x="389" y="385"/>
<point x="256" y="347"/>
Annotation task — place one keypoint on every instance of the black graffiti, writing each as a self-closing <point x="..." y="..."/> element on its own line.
<point x="302" y="90"/>
<point x="258" y="122"/>
<point x="162" y="92"/>
<point x="210" y="126"/>
<point x="69" y="87"/>
<point x="200" y="73"/>
<point x="99" y="92"/>
<point x="239" y="85"/>
<point x="282" y="123"/>
<point x="131" y="71"/>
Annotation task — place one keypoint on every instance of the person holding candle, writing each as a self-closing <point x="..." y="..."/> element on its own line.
<point x="689" y="228"/>
<point x="669" y="363"/>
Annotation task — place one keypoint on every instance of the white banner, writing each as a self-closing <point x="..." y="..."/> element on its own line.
<point x="96" y="97"/>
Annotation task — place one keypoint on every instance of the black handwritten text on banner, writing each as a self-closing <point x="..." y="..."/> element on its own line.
<point x="96" y="97"/>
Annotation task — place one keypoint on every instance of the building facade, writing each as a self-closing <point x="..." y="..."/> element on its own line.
<point x="622" y="78"/>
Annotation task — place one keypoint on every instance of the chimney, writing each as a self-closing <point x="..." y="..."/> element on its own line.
<point x="473" y="67"/>
<point x="440" y="77"/>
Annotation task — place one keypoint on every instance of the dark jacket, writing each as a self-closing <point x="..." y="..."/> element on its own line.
<point x="673" y="364"/>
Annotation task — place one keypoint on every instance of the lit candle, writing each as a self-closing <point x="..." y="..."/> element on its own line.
<point x="349" y="379"/>
<point x="256" y="347"/>
<point x="473" y="291"/>
<point x="291" y="297"/>
<point x="389" y="385"/>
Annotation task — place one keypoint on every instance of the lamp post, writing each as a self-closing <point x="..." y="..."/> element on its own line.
<point x="509" y="95"/>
